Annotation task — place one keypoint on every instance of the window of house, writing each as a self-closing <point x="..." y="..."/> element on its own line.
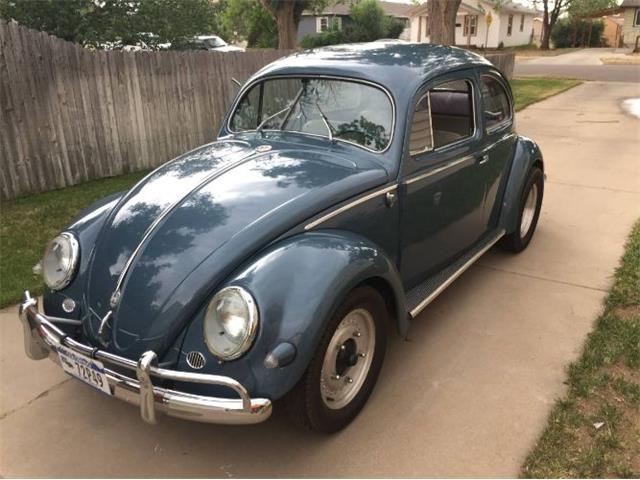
<point x="522" y="23"/>
<point x="443" y="116"/>
<point x="496" y="107"/>
<point x="636" y="20"/>
<point x="510" y="25"/>
<point x="470" y="25"/>
<point x="327" y="23"/>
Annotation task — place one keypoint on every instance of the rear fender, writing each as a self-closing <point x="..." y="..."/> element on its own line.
<point x="526" y="155"/>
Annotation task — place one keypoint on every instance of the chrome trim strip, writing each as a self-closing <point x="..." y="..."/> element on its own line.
<point x="248" y="86"/>
<point x="346" y="207"/>
<point x="437" y="170"/>
<point x="42" y="338"/>
<point x="117" y="292"/>
<point x="431" y="297"/>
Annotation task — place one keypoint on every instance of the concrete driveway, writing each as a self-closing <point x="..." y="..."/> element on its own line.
<point x="584" y="64"/>
<point x="467" y="395"/>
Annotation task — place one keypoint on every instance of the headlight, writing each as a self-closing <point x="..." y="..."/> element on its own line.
<point x="230" y="323"/>
<point x="60" y="261"/>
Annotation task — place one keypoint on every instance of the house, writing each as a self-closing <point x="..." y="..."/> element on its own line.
<point x="338" y="14"/>
<point x="482" y="23"/>
<point x="612" y="34"/>
<point x="631" y="27"/>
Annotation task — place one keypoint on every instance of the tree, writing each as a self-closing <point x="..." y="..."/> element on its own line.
<point x="552" y="10"/>
<point x="442" y="20"/>
<point x="249" y="20"/>
<point x="587" y="9"/>
<point x="97" y="23"/>
<point x="287" y="15"/>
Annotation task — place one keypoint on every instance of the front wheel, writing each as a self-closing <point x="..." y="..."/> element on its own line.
<point x="345" y="367"/>
<point x="528" y="214"/>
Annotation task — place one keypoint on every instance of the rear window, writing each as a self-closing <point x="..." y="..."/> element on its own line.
<point x="496" y="108"/>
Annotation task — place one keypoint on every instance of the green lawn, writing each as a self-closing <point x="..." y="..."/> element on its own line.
<point x="594" y="431"/>
<point x="531" y="90"/>
<point x="28" y="223"/>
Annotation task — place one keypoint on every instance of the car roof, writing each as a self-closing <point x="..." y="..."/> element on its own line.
<point x="400" y="67"/>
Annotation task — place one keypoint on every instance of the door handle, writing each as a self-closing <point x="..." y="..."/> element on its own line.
<point x="483" y="159"/>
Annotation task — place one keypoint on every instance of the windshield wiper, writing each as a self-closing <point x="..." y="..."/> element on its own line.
<point x="326" y="122"/>
<point x="271" y="117"/>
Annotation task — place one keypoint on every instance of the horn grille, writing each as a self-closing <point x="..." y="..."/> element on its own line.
<point x="196" y="360"/>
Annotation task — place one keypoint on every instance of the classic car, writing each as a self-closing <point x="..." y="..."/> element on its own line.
<point x="348" y="187"/>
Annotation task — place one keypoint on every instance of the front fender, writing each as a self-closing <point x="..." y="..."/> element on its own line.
<point x="85" y="226"/>
<point x="526" y="154"/>
<point x="298" y="283"/>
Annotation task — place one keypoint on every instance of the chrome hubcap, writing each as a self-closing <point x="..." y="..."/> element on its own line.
<point x="348" y="359"/>
<point x="529" y="211"/>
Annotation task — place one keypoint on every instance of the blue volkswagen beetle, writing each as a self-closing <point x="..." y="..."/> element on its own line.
<point x="349" y="186"/>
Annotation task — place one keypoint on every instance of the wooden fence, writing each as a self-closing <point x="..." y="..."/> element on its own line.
<point x="68" y="114"/>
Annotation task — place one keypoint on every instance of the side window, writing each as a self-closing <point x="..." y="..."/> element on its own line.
<point x="495" y="102"/>
<point x="443" y="116"/>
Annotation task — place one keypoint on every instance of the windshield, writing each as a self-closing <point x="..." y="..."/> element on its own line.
<point x="341" y="109"/>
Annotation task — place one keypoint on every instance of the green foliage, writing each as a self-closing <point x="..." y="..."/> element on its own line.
<point x="581" y="8"/>
<point x="333" y="36"/>
<point x="95" y="24"/>
<point x="249" y="20"/>
<point x="570" y="32"/>
<point x="368" y="22"/>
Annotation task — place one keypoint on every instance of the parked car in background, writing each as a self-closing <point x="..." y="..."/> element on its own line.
<point x="349" y="186"/>
<point x="206" y="42"/>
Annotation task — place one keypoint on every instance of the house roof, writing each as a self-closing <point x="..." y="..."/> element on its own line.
<point x="477" y="8"/>
<point x="394" y="9"/>
<point x="630" y="3"/>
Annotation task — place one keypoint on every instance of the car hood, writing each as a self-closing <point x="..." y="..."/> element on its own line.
<point x="184" y="228"/>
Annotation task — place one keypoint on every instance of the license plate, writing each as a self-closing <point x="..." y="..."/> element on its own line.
<point x="87" y="369"/>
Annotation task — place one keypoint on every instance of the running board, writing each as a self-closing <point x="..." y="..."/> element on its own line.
<point x="423" y="294"/>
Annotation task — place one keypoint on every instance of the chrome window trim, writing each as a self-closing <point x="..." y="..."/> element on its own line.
<point x="348" y="206"/>
<point x="473" y="116"/>
<point x="243" y="92"/>
<point x="436" y="170"/>
<point x="424" y="150"/>
<point x="508" y="120"/>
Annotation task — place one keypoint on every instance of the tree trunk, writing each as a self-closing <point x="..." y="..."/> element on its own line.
<point x="442" y="20"/>
<point x="546" y="31"/>
<point x="286" y="16"/>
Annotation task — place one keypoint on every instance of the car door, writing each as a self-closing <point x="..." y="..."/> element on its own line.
<point x="498" y="143"/>
<point x="442" y="194"/>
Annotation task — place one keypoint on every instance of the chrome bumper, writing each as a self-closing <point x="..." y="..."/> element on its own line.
<point x="42" y="337"/>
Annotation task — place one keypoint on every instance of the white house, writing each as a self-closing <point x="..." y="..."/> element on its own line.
<point x="481" y="23"/>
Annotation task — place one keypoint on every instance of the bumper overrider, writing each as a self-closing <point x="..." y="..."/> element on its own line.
<point x="42" y="339"/>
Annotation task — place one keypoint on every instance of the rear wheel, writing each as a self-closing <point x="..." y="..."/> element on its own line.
<point x="345" y="367"/>
<point x="529" y="212"/>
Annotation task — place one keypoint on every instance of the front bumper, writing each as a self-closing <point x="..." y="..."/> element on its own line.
<point x="42" y="337"/>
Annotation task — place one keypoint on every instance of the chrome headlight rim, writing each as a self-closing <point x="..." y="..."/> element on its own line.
<point x="74" y="246"/>
<point x="252" y="323"/>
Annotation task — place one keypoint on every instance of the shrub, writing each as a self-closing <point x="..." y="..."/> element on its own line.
<point x="573" y="32"/>
<point x="322" y="39"/>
